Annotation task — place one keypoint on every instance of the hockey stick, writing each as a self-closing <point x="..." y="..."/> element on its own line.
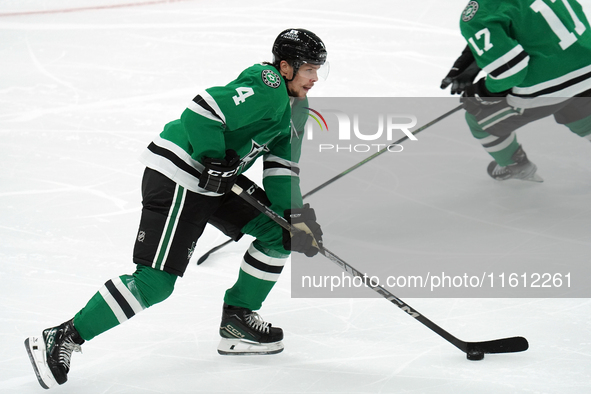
<point x="342" y="174"/>
<point x="473" y="350"/>
<point x="212" y="250"/>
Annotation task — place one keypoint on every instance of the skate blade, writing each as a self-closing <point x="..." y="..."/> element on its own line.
<point x="530" y="174"/>
<point x="533" y="178"/>
<point x="36" y="350"/>
<point x="237" y="347"/>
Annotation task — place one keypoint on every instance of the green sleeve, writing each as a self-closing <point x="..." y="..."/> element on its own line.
<point x="488" y="29"/>
<point x="205" y="136"/>
<point x="281" y="174"/>
<point x="299" y="115"/>
<point x="281" y="178"/>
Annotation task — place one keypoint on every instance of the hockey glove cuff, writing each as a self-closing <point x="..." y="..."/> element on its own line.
<point x="220" y="175"/>
<point x="309" y="239"/>
<point x="477" y="97"/>
<point x="462" y="73"/>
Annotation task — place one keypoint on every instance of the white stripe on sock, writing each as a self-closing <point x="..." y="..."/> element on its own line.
<point x="502" y="145"/>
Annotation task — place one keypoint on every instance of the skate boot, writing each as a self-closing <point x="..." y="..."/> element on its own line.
<point x="244" y="332"/>
<point x="50" y="354"/>
<point x="522" y="169"/>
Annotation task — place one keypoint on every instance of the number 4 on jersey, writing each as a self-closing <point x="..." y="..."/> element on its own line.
<point x="243" y="93"/>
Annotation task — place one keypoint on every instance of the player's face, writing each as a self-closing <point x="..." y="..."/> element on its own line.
<point x="303" y="81"/>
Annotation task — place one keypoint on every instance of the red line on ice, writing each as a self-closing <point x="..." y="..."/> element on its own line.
<point x="99" y="7"/>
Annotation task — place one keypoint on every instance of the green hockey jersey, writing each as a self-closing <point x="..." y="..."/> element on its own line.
<point x="540" y="49"/>
<point x="251" y="115"/>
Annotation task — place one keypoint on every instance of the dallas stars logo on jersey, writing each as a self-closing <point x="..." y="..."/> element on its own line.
<point x="470" y="11"/>
<point x="271" y="79"/>
<point x="255" y="150"/>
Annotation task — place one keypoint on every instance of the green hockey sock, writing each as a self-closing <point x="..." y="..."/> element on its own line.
<point x="259" y="272"/>
<point x="581" y="127"/>
<point x="122" y="298"/>
<point x="500" y="148"/>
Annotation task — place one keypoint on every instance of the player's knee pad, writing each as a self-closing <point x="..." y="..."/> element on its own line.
<point x="269" y="236"/>
<point x="150" y="285"/>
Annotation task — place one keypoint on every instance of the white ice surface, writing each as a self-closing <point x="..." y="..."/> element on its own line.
<point x="82" y="93"/>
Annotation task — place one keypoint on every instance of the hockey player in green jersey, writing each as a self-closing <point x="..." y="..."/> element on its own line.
<point x="537" y="58"/>
<point x="190" y="170"/>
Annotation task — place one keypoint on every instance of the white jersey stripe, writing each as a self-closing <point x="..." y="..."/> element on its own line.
<point x="554" y="82"/>
<point x="171" y="170"/>
<point x="193" y="106"/>
<point x="278" y="171"/>
<point x="277" y="159"/>
<point x="209" y="100"/>
<point x="513" y="70"/>
<point x="506" y="58"/>
<point x="178" y="151"/>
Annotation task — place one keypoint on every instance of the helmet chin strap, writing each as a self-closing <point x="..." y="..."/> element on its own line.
<point x="296" y="68"/>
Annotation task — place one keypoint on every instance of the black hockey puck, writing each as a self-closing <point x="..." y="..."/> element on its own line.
<point x="474" y="355"/>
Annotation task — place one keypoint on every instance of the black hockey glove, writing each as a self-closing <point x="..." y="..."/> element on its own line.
<point x="462" y="73"/>
<point x="309" y="239"/>
<point x="220" y="175"/>
<point x="477" y="97"/>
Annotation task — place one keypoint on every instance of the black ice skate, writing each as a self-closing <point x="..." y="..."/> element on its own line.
<point x="50" y="354"/>
<point x="244" y="332"/>
<point x="522" y="169"/>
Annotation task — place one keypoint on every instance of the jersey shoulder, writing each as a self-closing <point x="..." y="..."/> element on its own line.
<point x="481" y="12"/>
<point x="259" y="92"/>
<point x="263" y="78"/>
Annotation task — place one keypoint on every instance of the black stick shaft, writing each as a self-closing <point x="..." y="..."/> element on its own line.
<point x="505" y="345"/>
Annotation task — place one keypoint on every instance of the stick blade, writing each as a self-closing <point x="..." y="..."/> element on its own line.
<point x="202" y="258"/>
<point x="505" y="345"/>
<point x="212" y="250"/>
